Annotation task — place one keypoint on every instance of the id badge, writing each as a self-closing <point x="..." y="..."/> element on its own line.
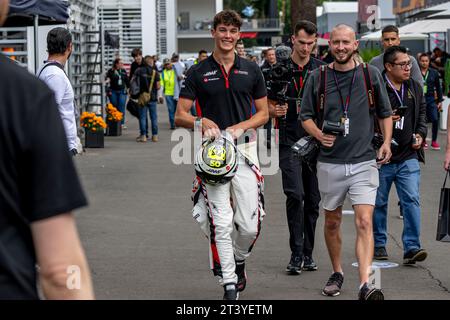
<point x="346" y="122"/>
<point x="119" y="83"/>
<point x="298" y="104"/>
<point x="399" y="123"/>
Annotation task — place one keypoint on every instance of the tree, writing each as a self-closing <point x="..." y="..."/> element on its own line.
<point x="303" y="10"/>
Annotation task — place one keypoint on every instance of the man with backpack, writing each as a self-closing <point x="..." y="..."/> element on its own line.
<point x="144" y="87"/>
<point x="408" y="103"/>
<point x="339" y="104"/>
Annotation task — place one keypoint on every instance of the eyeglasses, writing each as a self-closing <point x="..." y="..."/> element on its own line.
<point x="403" y="65"/>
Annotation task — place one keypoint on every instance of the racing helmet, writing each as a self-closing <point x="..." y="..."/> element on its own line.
<point x="216" y="160"/>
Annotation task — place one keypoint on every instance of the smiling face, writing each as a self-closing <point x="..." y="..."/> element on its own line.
<point x="225" y="37"/>
<point x="343" y="44"/>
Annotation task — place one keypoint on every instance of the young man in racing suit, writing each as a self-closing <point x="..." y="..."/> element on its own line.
<point x="225" y="86"/>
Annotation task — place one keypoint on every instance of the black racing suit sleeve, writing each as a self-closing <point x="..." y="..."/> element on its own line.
<point x="259" y="88"/>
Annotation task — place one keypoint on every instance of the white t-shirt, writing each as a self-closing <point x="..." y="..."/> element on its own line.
<point x="57" y="80"/>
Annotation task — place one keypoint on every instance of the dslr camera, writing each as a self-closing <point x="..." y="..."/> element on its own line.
<point x="335" y="128"/>
<point x="400" y="111"/>
<point x="307" y="148"/>
<point x="378" y="141"/>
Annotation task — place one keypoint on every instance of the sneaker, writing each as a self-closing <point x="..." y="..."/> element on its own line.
<point x="369" y="292"/>
<point x="172" y="128"/>
<point x="425" y="146"/>
<point x="309" y="264"/>
<point x="380" y="253"/>
<point x="155" y="138"/>
<point x="334" y="285"/>
<point x="124" y="127"/>
<point x="242" y="276"/>
<point x="435" y="145"/>
<point x="414" y="255"/>
<point x="230" y="292"/>
<point x="295" y="265"/>
<point x="141" y="138"/>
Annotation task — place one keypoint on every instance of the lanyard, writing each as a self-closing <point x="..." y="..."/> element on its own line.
<point x="304" y="75"/>
<point x="425" y="77"/>
<point x="347" y="101"/>
<point x="400" y="99"/>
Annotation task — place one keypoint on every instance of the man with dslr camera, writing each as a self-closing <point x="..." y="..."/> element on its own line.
<point x="299" y="179"/>
<point x="346" y="163"/>
<point x="410" y="130"/>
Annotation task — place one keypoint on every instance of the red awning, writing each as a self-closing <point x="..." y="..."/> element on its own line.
<point x="249" y="35"/>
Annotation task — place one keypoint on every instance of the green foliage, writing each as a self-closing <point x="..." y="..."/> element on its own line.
<point x="369" y="53"/>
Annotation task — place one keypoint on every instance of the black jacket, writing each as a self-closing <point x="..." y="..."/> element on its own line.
<point x="420" y="114"/>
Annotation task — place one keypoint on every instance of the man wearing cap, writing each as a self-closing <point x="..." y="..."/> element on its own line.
<point x="169" y="83"/>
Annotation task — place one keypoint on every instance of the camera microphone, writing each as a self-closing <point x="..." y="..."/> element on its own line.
<point x="282" y="53"/>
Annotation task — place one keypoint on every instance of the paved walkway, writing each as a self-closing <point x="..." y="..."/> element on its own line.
<point x="142" y="242"/>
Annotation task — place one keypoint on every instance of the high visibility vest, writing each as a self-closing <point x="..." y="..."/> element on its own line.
<point x="169" y="82"/>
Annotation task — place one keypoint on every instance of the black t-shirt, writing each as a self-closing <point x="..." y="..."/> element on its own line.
<point x="356" y="147"/>
<point x="224" y="99"/>
<point x="403" y="137"/>
<point x="294" y="128"/>
<point x="134" y="66"/>
<point x="38" y="179"/>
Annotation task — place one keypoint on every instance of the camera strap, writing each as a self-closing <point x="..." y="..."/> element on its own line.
<point x="322" y="93"/>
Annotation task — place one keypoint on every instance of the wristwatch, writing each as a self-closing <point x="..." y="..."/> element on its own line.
<point x="198" y="124"/>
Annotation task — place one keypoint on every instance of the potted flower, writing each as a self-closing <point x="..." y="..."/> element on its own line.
<point x="113" y="120"/>
<point x="94" y="130"/>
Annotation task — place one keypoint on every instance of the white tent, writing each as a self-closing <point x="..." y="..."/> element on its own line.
<point x="375" y="36"/>
<point x="427" y="26"/>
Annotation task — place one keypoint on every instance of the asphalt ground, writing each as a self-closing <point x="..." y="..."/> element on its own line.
<point x="142" y="243"/>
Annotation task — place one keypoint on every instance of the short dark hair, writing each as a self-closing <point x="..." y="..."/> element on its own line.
<point x="423" y="55"/>
<point x="390" y="28"/>
<point x="391" y="52"/>
<point x="116" y="62"/>
<point x="309" y="27"/>
<point x="239" y="42"/>
<point x="227" y="17"/>
<point x="136" y="52"/>
<point x="58" y="40"/>
<point x="202" y="52"/>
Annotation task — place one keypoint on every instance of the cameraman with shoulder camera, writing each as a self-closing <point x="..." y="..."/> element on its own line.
<point x="410" y="130"/>
<point x="346" y="163"/>
<point x="299" y="180"/>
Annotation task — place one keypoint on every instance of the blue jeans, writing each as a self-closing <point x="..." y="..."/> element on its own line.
<point x="406" y="176"/>
<point x="143" y="120"/>
<point x="433" y="117"/>
<point x="119" y="99"/>
<point x="171" y="108"/>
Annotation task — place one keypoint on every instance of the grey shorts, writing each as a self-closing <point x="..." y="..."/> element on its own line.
<point x="360" y="181"/>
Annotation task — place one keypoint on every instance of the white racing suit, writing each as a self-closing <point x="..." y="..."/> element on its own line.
<point x="231" y="227"/>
